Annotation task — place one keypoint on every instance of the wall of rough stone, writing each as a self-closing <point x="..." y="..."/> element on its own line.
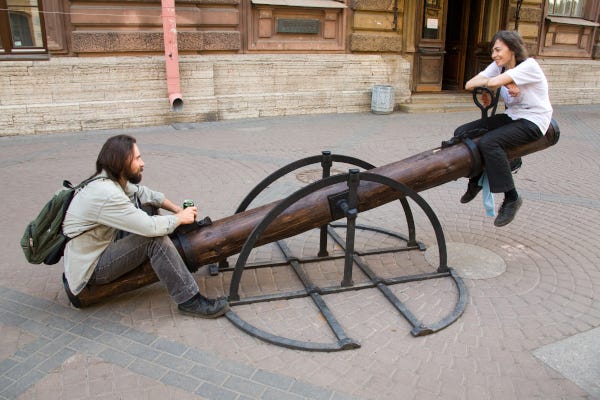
<point x="74" y="94"/>
<point x="572" y="81"/>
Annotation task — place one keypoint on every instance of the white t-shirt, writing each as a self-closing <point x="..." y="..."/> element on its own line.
<point x="532" y="103"/>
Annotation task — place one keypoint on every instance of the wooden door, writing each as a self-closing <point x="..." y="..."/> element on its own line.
<point x="429" y="54"/>
<point x="457" y="28"/>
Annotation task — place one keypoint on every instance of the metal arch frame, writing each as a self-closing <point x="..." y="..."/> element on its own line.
<point x="344" y="342"/>
<point x="326" y="159"/>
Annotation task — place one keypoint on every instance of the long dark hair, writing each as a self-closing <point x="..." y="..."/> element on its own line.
<point x="114" y="156"/>
<point x="514" y="42"/>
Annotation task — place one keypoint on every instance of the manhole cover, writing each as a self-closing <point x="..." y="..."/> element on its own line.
<point x="469" y="261"/>
<point x="313" y="175"/>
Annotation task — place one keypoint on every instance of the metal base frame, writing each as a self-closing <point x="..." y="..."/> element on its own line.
<point x="344" y="204"/>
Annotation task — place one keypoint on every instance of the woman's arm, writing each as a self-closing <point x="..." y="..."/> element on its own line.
<point x="481" y="80"/>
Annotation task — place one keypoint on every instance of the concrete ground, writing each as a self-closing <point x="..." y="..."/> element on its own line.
<point x="530" y="329"/>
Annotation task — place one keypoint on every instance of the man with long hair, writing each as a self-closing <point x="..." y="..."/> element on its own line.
<point x="524" y="89"/>
<point x="96" y="255"/>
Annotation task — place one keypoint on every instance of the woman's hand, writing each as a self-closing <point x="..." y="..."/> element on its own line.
<point x="486" y="99"/>
<point x="513" y="89"/>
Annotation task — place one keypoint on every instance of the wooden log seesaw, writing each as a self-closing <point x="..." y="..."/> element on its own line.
<point x="318" y="205"/>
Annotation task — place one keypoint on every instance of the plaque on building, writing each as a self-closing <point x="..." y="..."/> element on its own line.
<point x="295" y="25"/>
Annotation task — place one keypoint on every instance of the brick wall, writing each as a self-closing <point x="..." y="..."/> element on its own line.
<point x="73" y="94"/>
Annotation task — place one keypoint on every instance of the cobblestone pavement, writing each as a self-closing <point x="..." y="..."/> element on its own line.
<point x="523" y="331"/>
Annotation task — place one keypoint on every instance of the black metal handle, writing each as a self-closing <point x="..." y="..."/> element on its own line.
<point x="492" y="105"/>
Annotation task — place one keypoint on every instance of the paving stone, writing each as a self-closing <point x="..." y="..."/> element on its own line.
<point x="210" y="391"/>
<point x="244" y="386"/>
<point x="57" y="344"/>
<point x="116" y="357"/>
<point x="56" y="360"/>
<point x="202" y="357"/>
<point x="87" y="346"/>
<point x="86" y="331"/>
<point x="275" y="394"/>
<point x="236" y="368"/>
<point x="274" y="380"/>
<point x="109" y="327"/>
<point x="129" y="347"/>
<point x="5" y="382"/>
<point x="138" y="336"/>
<point x="310" y="391"/>
<point x="30" y="348"/>
<point x="180" y="381"/>
<point x="208" y="374"/>
<point x="169" y="346"/>
<point x="175" y="363"/>
<point x="7" y="364"/>
<point x="9" y="318"/>
<point x="148" y="369"/>
<point x="547" y="293"/>
<point x="19" y="369"/>
<point x="60" y="323"/>
<point x="23" y="383"/>
<point x="577" y="358"/>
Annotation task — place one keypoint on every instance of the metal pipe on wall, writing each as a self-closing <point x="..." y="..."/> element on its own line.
<point x="171" y="54"/>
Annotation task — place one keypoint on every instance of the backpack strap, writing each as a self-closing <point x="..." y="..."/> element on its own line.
<point x="68" y="185"/>
<point x="85" y="182"/>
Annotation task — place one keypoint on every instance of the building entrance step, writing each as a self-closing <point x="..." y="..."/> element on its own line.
<point x="438" y="102"/>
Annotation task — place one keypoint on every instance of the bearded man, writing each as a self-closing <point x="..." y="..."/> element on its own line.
<point x="111" y="203"/>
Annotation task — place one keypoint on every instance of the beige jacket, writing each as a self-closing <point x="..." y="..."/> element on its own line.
<point x="93" y="218"/>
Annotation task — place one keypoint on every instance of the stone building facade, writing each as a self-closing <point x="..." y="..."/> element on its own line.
<point x="69" y="65"/>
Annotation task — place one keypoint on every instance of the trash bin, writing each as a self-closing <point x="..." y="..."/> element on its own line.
<point x="382" y="99"/>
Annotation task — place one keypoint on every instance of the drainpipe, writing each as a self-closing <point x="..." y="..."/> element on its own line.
<point x="171" y="54"/>
<point x="518" y="14"/>
<point x="396" y="15"/>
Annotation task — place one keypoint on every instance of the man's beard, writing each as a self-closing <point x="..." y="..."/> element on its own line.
<point x="133" y="177"/>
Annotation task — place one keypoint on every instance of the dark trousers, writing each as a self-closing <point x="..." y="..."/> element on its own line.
<point x="503" y="133"/>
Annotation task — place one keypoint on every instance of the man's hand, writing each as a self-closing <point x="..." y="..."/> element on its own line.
<point x="187" y="215"/>
<point x="513" y="89"/>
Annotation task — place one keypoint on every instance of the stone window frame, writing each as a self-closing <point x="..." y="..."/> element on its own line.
<point x="583" y="27"/>
<point x="265" y="16"/>
<point x="8" y="50"/>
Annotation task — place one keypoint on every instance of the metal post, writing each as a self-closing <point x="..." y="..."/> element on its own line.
<point x="326" y="163"/>
<point x="350" y="209"/>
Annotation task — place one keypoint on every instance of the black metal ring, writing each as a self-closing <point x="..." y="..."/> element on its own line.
<point x="475" y="157"/>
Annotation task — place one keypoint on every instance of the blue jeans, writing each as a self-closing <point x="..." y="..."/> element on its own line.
<point x="128" y="253"/>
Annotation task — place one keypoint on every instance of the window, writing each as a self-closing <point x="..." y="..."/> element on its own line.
<point x="21" y="27"/>
<point x="566" y="8"/>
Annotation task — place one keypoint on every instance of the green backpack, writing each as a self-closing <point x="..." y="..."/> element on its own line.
<point x="43" y="240"/>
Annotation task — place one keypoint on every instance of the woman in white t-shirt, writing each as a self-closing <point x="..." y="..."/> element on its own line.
<point x="524" y="89"/>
